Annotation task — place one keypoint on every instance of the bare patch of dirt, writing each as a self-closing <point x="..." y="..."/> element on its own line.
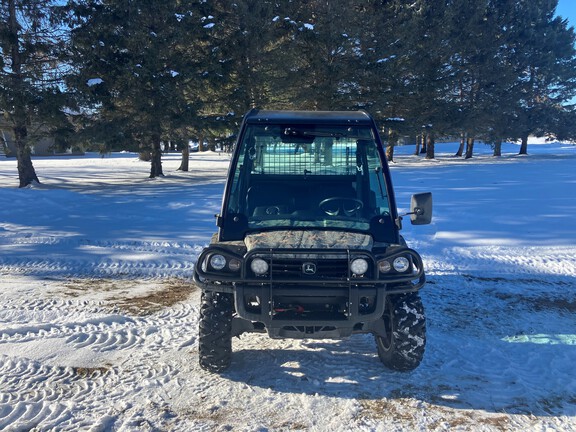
<point x="79" y="287"/>
<point x="132" y="296"/>
<point x="557" y="304"/>
<point x="171" y="292"/>
<point x="380" y="409"/>
<point x="554" y="404"/>
<point x="90" y="372"/>
<point x="535" y="302"/>
<point x="448" y="419"/>
<point x="534" y="281"/>
<point x="440" y="418"/>
<point x="291" y="426"/>
<point x="540" y="303"/>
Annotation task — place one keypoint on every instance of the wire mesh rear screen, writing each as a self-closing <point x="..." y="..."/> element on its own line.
<point x="305" y="149"/>
<point x="321" y="157"/>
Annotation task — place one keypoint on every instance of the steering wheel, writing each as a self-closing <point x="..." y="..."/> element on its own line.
<point x="334" y="206"/>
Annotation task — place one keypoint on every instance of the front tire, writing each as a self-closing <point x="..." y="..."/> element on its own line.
<point x="402" y="349"/>
<point x="215" y="331"/>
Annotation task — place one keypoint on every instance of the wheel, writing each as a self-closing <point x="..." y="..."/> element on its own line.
<point x="215" y="332"/>
<point x="402" y="348"/>
<point x="333" y="206"/>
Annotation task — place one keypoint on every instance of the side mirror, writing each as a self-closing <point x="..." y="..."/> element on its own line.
<point x="421" y="208"/>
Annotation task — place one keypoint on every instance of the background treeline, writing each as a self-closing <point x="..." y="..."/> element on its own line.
<point x="130" y="74"/>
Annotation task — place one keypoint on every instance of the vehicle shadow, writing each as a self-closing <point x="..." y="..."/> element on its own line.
<point x="489" y="348"/>
<point x="350" y="369"/>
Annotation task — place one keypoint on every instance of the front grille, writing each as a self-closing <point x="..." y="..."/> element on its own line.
<point x="308" y="266"/>
<point x="289" y="269"/>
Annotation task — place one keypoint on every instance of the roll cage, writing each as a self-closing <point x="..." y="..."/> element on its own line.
<point x="303" y="170"/>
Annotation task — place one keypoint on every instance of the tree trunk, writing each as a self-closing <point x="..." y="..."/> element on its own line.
<point x="524" y="145"/>
<point x="212" y="145"/>
<point x="185" y="158"/>
<point x="430" y="146"/>
<point x="469" y="147"/>
<point x="201" y="147"/>
<point x="145" y="155"/>
<point x="498" y="147"/>
<point x="392" y="141"/>
<point x="26" y="171"/>
<point x="418" y="143"/>
<point x="425" y="138"/>
<point x="461" y="147"/>
<point x="156" y="158"/>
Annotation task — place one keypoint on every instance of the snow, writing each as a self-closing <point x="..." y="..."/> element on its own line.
<point x="94" y="81"/>
<point x="386" y="59"/>
<point x="98" y="317"/>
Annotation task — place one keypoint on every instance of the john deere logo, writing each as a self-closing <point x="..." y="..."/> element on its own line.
<point x="309" y="268"/>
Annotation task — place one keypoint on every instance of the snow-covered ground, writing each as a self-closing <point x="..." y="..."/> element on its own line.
<point x="98" y="315"/>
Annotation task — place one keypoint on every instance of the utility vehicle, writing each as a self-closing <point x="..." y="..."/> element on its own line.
<point x="308" y="242"/>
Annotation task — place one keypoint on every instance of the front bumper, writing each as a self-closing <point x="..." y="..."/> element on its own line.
<point x="331" y="303"/>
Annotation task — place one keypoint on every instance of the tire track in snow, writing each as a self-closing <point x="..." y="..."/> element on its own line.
<point x="107" y="332"/>
<point x="143" y="267"/>
<point x="42" y="310"/>
<point x="43" y="331"/>
<point x="136" y="258"/>
<point x="495" y="260"/>
<point x="106" y="341"/>
<point x="34" y="392"/>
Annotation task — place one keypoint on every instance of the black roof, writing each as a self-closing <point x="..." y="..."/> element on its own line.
<point x="309" y="117"/>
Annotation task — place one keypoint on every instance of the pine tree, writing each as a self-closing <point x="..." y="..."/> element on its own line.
<point x="484" y="69"/>
<point x="543" y="57"/>
<point x="249" y="43"/>
<point x="429" y="81"/>
<point x="479" y="78"/>
<point x="31" y="96"/>
<point x="133" y="64"/>
<point x="326" y="52"/>
<point x="382" y="67"/>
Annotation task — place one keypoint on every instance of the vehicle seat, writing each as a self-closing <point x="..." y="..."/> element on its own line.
<point x="269" y="199"/>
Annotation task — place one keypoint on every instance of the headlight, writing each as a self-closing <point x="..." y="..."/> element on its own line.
<point x="234" y="264"/>
<point x="259" y="266"/>
<point x="217" y="262"/>
<point x="384" y="266"/>
<point x="359" y="266"/>
<point x="401" y="264"/>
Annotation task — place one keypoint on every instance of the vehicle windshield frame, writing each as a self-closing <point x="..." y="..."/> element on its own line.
<point x="342" y="161"/>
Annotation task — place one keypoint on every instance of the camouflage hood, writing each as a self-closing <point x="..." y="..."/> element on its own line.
<point x="308" y="240"/>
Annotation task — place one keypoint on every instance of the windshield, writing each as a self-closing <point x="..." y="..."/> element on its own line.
<point x="327" y="177"/>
